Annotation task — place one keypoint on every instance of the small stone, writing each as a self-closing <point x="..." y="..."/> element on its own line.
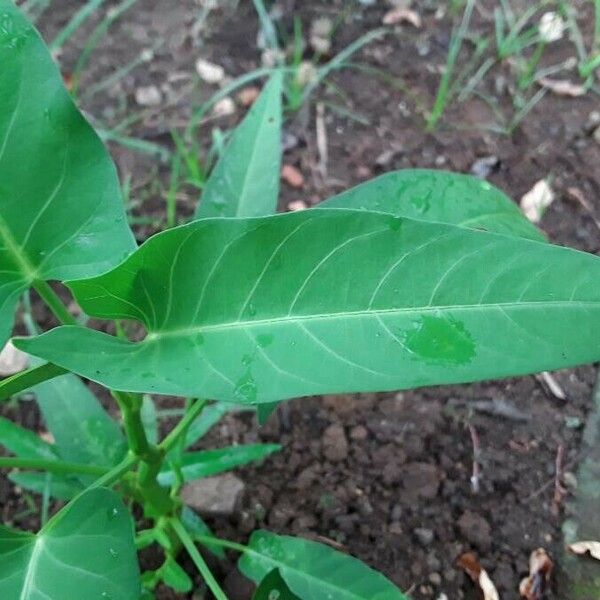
<point x="12" y="360"/>
<point x="292" y="176"/>
<point x="424" y="536"/>
<point x="306" y="73"/>
<point x="335" y="444"/>
<point x="272" y="57"/>
<point x="296" y="205"/>
<point x="224" y="107"/>
<point x="148" y="96"/>
<point x="209" y="72"/>
<point x="476" y="530"/>
<point x="420" y="480"/>
<point x="484" y="166"/>
<point x="218" y="495"/>
<point x="435" y="578"/>
<point x="248" y="96"/>
<point x="320" y="35"/>
<point x="359" y="433"/>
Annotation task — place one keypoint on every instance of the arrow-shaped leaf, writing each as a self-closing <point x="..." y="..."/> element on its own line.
<point x="61" y="213"/>
<point x="245" y="180"/>
<point x="325" y="301"/>
<point x="442" y="197"/>
<point x="85" y="551"/>
<point x="314" y="571"/>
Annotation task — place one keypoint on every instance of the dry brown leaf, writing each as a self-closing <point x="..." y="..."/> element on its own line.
<point x="469" y="563"/>
<point x="586" y="547"/>
<point x="537" y="200"/>
<point x="292" y="176"/>
<point x="540" y="569"/>
<point x="562" y="87"/>
<point x="402" y="15"/>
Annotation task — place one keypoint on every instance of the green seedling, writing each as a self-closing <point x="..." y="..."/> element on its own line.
<point x="416" y="278"/>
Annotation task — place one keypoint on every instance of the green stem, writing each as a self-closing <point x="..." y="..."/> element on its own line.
<point x="200" y="563"/>
<point x="52" y="466"/>
<point x="25" y="379"/>
<point x="181" y="428"/>
<point x="54" y="303"/>
<point x="116" y="472"/>
<point x="208" y="540"/>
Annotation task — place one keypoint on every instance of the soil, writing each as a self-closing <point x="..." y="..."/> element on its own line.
<point x="386" y="477"/>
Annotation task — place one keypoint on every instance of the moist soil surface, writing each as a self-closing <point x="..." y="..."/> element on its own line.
<point x="386" y="477"/>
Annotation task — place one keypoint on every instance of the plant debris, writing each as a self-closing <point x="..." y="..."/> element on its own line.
<point x="469" y="563"/>
<point x="585" y="547"/>
<point x="534" y="586"/>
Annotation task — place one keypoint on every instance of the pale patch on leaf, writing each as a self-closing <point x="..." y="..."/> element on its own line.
<point x="537" y="200"/>
<point x="562" y="87"/>
<point x="540" y="569"/>
<point x="586" y="547"/>
<point x="469" y="563"/>
<point x="12" y="360"/>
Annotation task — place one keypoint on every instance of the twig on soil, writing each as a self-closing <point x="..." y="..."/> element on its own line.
<point x="321" y="140"/>
<point x="550" y="384"/>
<point x="559" y="490"/>
<point x="476" y="473"/>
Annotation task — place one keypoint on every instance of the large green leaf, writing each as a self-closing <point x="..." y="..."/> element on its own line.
<point x="59" y="486"/>
<point x="440" y="196"/>
<point x="203" y="463"/>
<point x="24" y="443"/>
<point x="314" y="571"/>
<point x="61" y="213"/>
<point x="245" y="180"/>
<point x="325" y="301"/>
<point x="82" y="430"/>
<point x="85" y="551"/>
<point x="273" y="587"/>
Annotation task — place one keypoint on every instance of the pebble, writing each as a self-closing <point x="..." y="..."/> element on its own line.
<point x="476" y="530"/>
<point x="424" y="536"/>
<point x="335" y="444"/>
<point x="296" y="205"/>
<point x="248" y="96"/>
<point x="484" y="166"/>
<point x="224" y="107"/>
<point x="209" y="72"/>
<point x="218" y="495"/>
<point x="148" y="96"/>
<point x="292" y="176"/>
<point x="359" y="433"/>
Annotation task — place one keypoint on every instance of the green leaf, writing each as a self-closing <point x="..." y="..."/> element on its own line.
<point x="442" y="197"/>
<point x="264" y="411"/>
<point x="24" y="443"/>
<point x="174" y="576"/>
<point x="82" y="430"/>
<point x="85" y="551"/>
<point x="245" y="180"/>
<point x="204" y="463"/>
<point x="61" y="211"/>
<point x="325" y="301"/>
<point x="196" y="527"/>
<point x="273" y="587"/>
<point x="61" y="486"/>
<point x="207" y="419"/>
<point x="314" y="571"/>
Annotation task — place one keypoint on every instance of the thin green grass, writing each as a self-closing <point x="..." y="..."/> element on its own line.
<point x="76" y="21"/>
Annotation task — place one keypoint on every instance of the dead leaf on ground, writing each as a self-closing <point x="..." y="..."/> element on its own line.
<point x="12" y="360"/>
<point x="540" y="570"/>
<point x="586" y="547"/>
<point x="400" y="15"/>
<point x="469" y="563"/>
<point x="292" y="176"/>
<point x="537" y="200"/>
<point x="562" y="87"/>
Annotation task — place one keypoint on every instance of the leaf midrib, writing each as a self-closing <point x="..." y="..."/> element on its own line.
<point x="184" y="331"/>
<point x="16" y="252"/>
